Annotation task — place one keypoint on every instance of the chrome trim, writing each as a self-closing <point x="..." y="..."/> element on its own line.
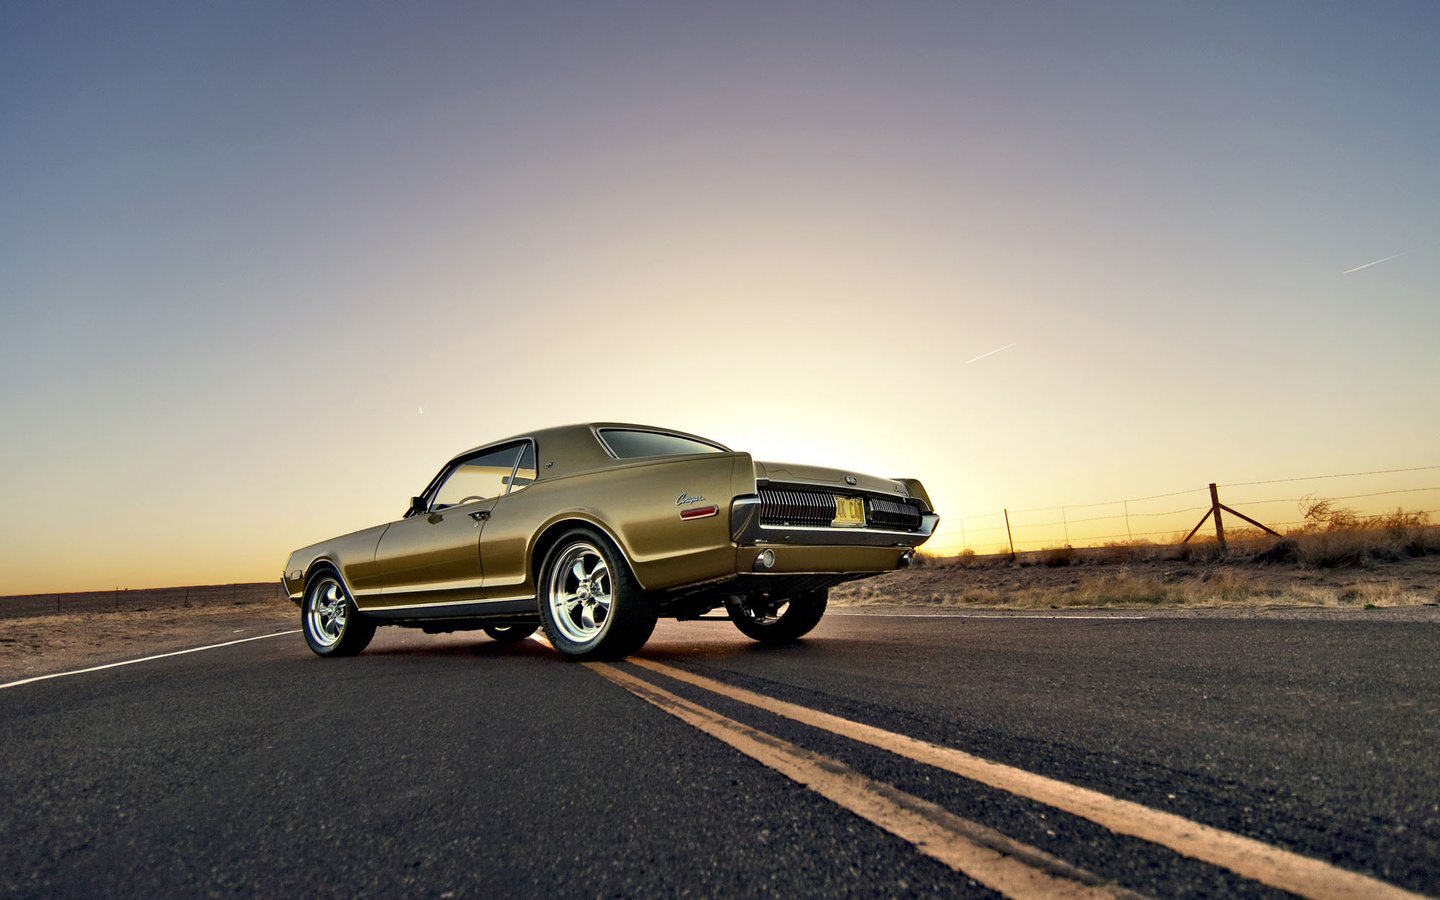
<point x="510" y="484"/>
<point x="744" y="511"/>
<point x="440" y="609"/>
<point x="755" y="533"/>
<point x="847" y="530"/>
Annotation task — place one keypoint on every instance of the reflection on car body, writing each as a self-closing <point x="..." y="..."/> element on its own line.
<point x="592" y="532"/>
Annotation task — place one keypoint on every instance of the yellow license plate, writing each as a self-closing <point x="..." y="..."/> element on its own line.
<point x="849" y="512"/>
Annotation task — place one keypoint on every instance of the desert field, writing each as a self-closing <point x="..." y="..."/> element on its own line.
<point x="1351" y="570"/>
<point x="1316" y="571"/>
<point x="39" y="645"/>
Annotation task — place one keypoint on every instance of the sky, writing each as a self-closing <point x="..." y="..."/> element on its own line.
<point x="265" y="267"/>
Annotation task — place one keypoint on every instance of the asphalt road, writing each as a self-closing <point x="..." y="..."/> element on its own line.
<point x="455" y="766"/>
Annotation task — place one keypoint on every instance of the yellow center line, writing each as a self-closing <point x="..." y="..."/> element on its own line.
<point x="1245" y="856"/>
<point x="1000" y="863"/>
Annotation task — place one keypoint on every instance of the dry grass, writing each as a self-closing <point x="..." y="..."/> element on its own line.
<point x="1377" y="539"/>
<point x="1384" y="561"/>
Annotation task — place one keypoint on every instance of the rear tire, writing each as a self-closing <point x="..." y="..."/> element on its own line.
<point x="590" y="605"/>
<point x="509" y="634"/>
<point x="778" y="621"/>
<point x="332" y="624"/>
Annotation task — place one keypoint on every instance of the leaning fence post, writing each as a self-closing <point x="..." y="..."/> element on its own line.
<point x="1009" y="535"/>
<point x="1215" y="508"/>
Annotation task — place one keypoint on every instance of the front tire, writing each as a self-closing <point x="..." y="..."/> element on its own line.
<point x="332" y="624"/>
<point x="778" y="621"/>
<point x="590" y="605"/>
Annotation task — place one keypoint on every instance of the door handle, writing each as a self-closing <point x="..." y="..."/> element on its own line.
<point x="480" y="515"/>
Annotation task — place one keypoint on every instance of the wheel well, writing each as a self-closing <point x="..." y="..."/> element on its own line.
<point x="320" y="565"/>
<point x="550" y="535"/>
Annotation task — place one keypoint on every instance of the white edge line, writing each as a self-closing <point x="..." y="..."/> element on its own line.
<point x="1007" y="615"/>
<point x="144" y="659"/>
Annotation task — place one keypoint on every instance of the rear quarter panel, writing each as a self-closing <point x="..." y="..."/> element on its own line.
<point x="638" y="504"/>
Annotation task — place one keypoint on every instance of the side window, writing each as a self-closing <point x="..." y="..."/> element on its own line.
<point x="629" y="443"/>
<point x="479" y="478"/>
<point x="525" y="472"/>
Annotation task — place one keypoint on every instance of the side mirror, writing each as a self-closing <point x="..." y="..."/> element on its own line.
<point x="417" y="507"/>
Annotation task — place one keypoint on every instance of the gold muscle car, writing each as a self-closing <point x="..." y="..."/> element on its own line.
<point x="592" y="532"/>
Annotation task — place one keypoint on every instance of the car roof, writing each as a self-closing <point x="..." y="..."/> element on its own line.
<point x="567" y="449"/>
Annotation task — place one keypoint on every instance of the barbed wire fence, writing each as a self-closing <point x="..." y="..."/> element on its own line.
<point x="1167" y="517"/>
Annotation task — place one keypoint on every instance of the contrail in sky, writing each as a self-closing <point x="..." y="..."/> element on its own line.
<point x="1375" y="263"/>
<point x="991" y="353"/>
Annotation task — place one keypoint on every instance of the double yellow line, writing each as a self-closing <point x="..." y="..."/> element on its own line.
<point x="1005" y="865"/>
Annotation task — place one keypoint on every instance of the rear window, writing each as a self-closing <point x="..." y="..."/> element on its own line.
<point x="624" y="443"/>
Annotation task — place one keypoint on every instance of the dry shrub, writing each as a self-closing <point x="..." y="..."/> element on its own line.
<point x="1124" y="589"/>
<point x="1285" y="551"/>
<point x="1121" y="552"/>
<point x="1321" y="514"/>
<point x="925" y="559"/>
<point x="1385" y="593"/>
<point x="1225" y="586"/>
<point x="1384" y="538"/>
<point x="1117" y="554"/>
<point x="1054" y="557"/>
<point x="1199" y="550"/>
<point x="1329" y="550"/>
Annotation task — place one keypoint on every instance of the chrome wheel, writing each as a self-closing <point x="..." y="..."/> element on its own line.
<point x="589" y="603"/>
<point x="326" y="611"/>
<point x="580" y="593"/>
<point x="332" y="624"/>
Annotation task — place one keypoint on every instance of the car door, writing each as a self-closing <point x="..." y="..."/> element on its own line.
<point x="433" y="556"/>
<point x="511" y="527"/>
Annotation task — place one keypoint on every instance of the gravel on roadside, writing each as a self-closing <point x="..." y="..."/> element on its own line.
<point x="41" y="645"/>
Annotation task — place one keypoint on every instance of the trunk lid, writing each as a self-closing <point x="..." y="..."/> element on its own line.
<point x="836" y="480"/>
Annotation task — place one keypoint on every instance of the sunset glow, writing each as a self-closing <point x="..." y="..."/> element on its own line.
<point x="265" y="268"/>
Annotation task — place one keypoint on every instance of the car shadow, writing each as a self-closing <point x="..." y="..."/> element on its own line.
<point x="476" y="645"/>
<point x="668" y="644"/>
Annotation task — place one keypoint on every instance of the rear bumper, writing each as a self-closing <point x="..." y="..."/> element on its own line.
<point x="847" y="559"/>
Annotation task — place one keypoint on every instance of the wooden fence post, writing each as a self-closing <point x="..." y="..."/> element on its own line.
<point x="1215" y="508"/>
